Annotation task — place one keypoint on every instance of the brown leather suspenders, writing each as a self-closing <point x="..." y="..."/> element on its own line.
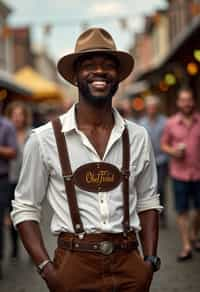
<point x="125" y="178"/>
<point x="68" y="177"/>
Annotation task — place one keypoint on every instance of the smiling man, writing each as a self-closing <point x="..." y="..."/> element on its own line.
<point x="181" y="141"/>
<point x="98" y="173"/>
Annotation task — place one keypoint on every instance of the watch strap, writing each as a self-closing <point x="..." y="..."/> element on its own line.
<point x="155" y="262"/>
<point x="42" y="265"/>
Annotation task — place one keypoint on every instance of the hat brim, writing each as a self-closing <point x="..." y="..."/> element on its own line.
<point x="66" y="68"/>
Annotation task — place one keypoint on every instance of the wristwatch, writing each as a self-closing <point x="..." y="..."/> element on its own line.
<point x="155" y="262"/>
<point x="42" y="265"/>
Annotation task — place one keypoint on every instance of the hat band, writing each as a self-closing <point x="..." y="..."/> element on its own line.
<point x="93" y="49"/>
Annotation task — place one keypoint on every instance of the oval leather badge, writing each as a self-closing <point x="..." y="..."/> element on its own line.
<point x="97" y="177"/>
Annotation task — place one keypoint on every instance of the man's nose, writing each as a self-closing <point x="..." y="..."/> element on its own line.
<point x="99" y="69"/>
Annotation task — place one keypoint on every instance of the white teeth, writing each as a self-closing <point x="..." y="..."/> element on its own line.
<point x="99" y="84"/>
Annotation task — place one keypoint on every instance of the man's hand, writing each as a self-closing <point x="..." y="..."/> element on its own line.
<point x="177" y="153"/>
<point x="149" y="267"/>
<point x="49" y="275"/>
<point x="7" y="152"/>
<point x="150" y="274"/>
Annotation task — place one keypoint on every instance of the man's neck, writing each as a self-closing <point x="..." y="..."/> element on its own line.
<point x="20" y="129"/>
<point x="187" y="117"/>
<point x="152" y="118"/>
<point x="94" y="116"/>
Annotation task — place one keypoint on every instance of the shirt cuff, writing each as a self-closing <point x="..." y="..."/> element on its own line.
<point x="23" y="212"/>
<point x="149" y="203"/>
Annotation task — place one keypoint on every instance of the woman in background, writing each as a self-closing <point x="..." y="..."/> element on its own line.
<point x="20" y="115"/>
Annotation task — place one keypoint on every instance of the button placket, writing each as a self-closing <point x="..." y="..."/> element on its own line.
<point x="103" y="208"/>
<point x="87" y="143"/>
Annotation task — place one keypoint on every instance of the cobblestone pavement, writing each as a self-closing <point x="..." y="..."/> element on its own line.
<point x="173" y="277"/>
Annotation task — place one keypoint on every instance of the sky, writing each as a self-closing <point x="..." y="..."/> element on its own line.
<point x="68" y="17"/>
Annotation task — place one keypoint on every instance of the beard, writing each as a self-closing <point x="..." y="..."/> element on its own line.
<point x="187" y="111"/>
<point x="97" y="100"/>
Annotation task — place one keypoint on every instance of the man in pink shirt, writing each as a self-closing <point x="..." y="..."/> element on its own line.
<point x="181" y="140"/>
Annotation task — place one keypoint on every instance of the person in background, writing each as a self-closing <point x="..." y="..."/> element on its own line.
<point x="20" y="116"/>
<point x="51" y="114"/>
<point x="154" y="122"/>
<point x="181" y="140"/>
<point x="8" y="147"/>
<point x="123" y="105"/>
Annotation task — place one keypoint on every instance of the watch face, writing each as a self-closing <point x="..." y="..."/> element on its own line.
<point x="155" y="261"/>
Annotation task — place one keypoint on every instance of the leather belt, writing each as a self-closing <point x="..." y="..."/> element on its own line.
<point x="105" y="247"/>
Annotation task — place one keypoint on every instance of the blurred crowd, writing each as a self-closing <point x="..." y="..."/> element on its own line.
<point x="176" y="144"/>
<point x="175" y="140"/>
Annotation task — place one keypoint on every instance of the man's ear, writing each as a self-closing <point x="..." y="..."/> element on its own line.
<point x="75" y="74"/>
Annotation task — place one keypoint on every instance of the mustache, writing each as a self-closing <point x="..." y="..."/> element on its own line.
<point x="99" y="77"/>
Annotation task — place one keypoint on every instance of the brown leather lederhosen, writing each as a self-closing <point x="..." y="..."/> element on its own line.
<point x="69" y="183"/>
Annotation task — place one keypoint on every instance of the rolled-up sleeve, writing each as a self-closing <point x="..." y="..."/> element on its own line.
<point x="146" y="181"/>
<point x="166" y="137"/>
<point x="32" y="185"/>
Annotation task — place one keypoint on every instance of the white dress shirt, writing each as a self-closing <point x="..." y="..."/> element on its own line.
<point x="41" y="176"/>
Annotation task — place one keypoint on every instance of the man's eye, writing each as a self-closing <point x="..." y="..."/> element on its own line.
<point x="109" y="66"/>
<point x="88" y="66"/>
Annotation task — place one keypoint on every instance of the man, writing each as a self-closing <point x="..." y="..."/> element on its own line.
<point x="101" y="189"/>
<point x="181" y="140"/>
<point x="154" y="122"/>
<point x="8" y="146"/>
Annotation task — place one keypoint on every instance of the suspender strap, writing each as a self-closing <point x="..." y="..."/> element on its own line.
<point x="125" y="182"/>
<point x="67" y="176"/>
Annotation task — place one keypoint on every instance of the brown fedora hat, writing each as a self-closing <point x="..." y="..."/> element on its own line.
<point x="95" y="40"/>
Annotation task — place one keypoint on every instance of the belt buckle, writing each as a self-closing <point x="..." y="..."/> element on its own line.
<point x="106" y="247"/>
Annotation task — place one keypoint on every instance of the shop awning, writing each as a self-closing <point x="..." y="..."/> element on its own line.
<point x="7" y="82"/>
<point x="43" y="89"/>
<point x="189" y="36"/>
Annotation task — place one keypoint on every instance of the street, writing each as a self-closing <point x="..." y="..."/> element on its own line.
<point x="173" y="277"/>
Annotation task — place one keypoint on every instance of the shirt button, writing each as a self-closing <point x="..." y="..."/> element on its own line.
<point x="102" y="201"/>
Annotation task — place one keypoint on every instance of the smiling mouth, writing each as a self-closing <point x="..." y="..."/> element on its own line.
<point x="99" y="84"/>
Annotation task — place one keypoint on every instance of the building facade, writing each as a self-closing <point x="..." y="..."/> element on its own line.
<point x="4" y="37"/>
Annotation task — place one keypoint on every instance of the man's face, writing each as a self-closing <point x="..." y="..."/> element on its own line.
<point x="97" y="78"/>
<point x="18" y="117"/>
<point x="152" y="109"/>
<point x="185" y="102"/>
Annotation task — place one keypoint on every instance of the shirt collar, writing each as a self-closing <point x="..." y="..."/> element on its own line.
<point x="195" y="117"/>
<point x="69" y="120"/>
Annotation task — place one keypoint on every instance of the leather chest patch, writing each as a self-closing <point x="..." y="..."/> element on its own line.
<point x="97" y="177"/>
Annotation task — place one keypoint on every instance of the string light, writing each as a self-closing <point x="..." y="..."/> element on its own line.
<point x="163" y="86"/>
<point x="3" y="94"/>
<point x="138" y="104"/>
<point x="196" y="54"/>
<point x="170" y="79"/>
<point x="192" y="68"/>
